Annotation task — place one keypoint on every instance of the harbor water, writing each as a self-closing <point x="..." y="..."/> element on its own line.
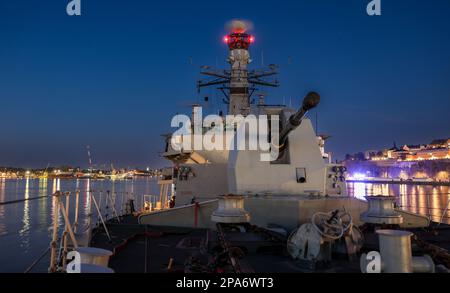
<point x="26" y="226"/>
<point x="429" y="200"/>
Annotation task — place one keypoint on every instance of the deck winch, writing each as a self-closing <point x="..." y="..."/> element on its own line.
<point x="327" y="233"/>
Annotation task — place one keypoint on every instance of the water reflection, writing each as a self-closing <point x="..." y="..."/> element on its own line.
<point x="425" y="200"/>
<point x="359" y="190"/>
<point x="56" y="185"/>
<point x="435" y="201"/>
<point x="26" y="217"/>
<point x="87" y="205"/>
<point x="43" y="185"/>
<point x="2" y="208"/>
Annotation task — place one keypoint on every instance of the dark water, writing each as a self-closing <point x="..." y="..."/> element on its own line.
<point x="25" y="227"/>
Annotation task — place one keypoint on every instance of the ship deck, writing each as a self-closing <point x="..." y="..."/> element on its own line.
<point x="150" y="249"/>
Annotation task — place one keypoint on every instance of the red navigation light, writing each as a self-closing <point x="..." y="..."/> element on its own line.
<point x="252" y="39"/>
<point x="226" y="39"/>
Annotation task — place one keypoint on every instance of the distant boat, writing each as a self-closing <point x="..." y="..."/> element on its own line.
<point x="421" y="180"/>
<point x="120" y="176"/>
<point x="62" y="174"/>
<point x="82" y="175"/>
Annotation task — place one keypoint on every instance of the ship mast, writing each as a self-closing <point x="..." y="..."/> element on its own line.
<point x="238" y="84"/>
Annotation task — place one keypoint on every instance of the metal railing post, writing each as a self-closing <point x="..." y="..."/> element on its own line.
<point x="54" y="243"/>
<point x="66" y="209"/>
<point x="101" y="217"/>
<point x="77" y="203"/>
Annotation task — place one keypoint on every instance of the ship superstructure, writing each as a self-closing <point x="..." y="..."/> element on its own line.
<point x="285" y="190"/>
<point x="300" y="167"/>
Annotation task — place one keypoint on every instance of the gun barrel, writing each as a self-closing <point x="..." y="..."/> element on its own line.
<point x="310" y="101"/>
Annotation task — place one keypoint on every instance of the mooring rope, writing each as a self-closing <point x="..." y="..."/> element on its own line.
<point x="23" y="200"/>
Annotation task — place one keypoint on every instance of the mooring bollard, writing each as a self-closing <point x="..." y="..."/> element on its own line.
<point x="396" y="255"/>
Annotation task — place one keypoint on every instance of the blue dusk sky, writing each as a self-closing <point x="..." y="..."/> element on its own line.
<point x="113" y="77"/>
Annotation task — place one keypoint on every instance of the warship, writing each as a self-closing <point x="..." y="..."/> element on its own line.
<point x="229" y="211"/>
